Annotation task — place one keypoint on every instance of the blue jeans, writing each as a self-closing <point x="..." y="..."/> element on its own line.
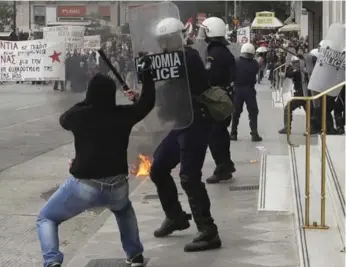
<point x="74" y="197"/>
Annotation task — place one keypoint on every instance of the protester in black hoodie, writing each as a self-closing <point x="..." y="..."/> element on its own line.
<point x="99" y="171"/>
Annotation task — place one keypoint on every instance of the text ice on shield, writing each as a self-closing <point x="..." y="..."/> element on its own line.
<point x="55" y="57"/>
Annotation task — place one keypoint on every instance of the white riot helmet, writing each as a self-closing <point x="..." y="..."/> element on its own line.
<point x="247" y="50"/>
<point x="170" y="33"/>
<point x="295" y="63"/>
<point x="314" y="52"/>
<point x="214" y="29"/>
<point x="294" y="59"/>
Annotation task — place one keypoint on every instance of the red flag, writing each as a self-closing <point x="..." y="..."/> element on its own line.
<point x="189" y="27"/>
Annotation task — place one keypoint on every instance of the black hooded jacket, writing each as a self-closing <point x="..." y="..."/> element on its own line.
<point x="101" y="129"/>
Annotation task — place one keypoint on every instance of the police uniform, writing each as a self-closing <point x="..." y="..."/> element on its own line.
<point x="187" y="147"/>
<point x="296" y="76"/>
<point x="246" y="73"/>
<point x="339" y="112"/>
<point x="220" y="66"/>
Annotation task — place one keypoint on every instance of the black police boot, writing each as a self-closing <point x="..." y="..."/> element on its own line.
<point x="205" y="239"/>
<point x="255" y="137"/>
<point x="179" y="223"/>
<point x="233" y="136"/>
<point x="283" y="131"/>
<point x="332" y="131"/>
<point x="340" y="130"/>
<point x="223" y="172"/>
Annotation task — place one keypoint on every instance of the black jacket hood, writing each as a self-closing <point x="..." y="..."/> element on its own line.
<point x="101" y="92"/>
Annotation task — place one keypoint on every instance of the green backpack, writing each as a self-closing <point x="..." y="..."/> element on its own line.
<point x="218" y="103"/>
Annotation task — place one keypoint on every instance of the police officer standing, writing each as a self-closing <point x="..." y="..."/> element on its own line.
<point x="294" y="73"/>
<point x="220" y="65"/>
<point x="187" y="147"/>
<point x="246" y="73"/>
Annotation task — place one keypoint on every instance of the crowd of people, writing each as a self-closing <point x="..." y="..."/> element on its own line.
<point x="290" y="56"/>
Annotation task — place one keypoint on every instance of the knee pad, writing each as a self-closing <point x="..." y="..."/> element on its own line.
<point x="189" y="184"/>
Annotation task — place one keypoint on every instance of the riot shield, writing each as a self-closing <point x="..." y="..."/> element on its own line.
<point x="201" y="46"/>
<point x="330" y="66"/>
<point x="150" y="27"/>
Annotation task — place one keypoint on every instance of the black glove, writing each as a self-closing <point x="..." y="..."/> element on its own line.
<point x="144" y="67"/>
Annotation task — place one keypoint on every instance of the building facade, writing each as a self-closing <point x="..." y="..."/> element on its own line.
<point x="333" y="12"/>
<point x="315" y="18"/>
<point x="34" y="15"/>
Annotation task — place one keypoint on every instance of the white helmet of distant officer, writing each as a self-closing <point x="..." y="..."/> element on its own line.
<point x="213" y="29"/>
<point x="171" y="34"/>
<point x="247" y="51"/>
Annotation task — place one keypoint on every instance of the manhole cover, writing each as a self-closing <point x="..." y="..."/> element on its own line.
<point x="110" y="263"/>
<point x="243" y="187"/>
<point x="148" y="197"/>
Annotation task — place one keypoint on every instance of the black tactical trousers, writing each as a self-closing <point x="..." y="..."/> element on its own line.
<point x="294" y="105"/>
<point x="247" y="96"/>
<point x="187" y="147"/>
<point x="220" y="142"/>
<point x="339" y="110"/>
<point x="318" y="113"/>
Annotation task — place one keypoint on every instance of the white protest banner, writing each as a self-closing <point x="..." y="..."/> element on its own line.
<point x="37" y="60"/>
<point x="74" y="35"/>
<point x="243" y="35"/>
<point x="92" y="42"/>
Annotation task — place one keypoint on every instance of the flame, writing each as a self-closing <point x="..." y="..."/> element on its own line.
<point x="144" y="166"/>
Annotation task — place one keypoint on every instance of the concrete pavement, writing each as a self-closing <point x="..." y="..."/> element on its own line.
<point x="249" y="239"/>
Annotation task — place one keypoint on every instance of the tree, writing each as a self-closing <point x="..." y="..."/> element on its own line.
<point x="6" y="13"/>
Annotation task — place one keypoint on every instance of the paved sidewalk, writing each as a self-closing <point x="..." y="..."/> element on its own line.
<point x="249" y="239"/>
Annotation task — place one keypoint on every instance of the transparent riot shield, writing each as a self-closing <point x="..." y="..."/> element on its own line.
<point x="200" y="45"/>
<point x="153" y="33"/>
<point x="330" y="66"/>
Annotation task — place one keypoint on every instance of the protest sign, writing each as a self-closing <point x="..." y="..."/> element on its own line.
<point x="36" y="60"/>
<point x="243" y="35"/>
<point x="92" y="42"/>
<point x="74" y="35"/>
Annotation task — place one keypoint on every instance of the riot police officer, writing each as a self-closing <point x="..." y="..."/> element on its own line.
<point x="295" y="74"/>
<point x="187" y="147"/>
<point x="339" y="112"/>
<point x="246" y="73"/>
<point x="220" y="65"/>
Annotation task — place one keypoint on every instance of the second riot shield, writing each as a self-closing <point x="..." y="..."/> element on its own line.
<point x="330" y="66"/>
<point x="157" y="32"/>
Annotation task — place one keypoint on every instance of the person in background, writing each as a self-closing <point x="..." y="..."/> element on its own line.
<point x="261" y="65"/>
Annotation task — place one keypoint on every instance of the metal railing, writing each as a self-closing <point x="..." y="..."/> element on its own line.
<point x="308" y="100"/>
<point x="278" y="83"/>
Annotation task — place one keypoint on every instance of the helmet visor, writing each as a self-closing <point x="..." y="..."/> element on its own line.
<point x="170" y="42"/>
<point x="201" y="32"/>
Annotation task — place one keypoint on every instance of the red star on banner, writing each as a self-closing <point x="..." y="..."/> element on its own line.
<point x="55" y="57"/>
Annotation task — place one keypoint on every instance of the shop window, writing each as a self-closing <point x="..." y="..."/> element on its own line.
<point x="105" y="13"/>
<point x="40" y="15"/>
